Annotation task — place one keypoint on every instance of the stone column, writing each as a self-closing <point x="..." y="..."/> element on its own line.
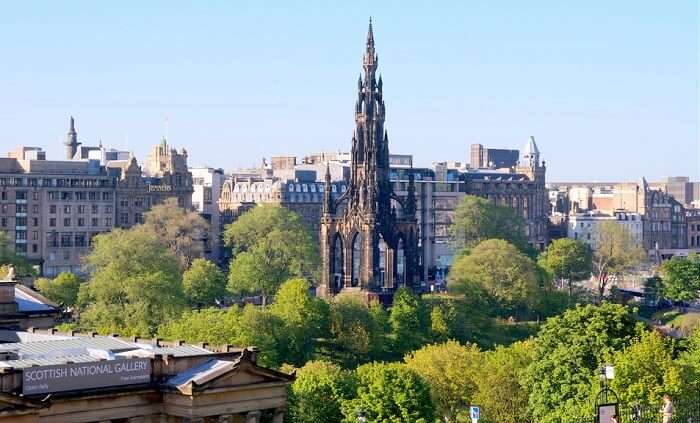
<point x="253" y="417"/>
<point x="279" y="416"/>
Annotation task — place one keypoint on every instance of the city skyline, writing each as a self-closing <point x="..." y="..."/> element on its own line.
<point x="454" y="76"/>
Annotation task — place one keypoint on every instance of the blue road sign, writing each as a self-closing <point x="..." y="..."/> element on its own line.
<point x="475" y="412"/>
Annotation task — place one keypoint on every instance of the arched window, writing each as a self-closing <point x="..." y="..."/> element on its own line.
<point x="400" y="264"/>
<point x="381" y="267"/>
<point x="338" y="270"/>
<point x="356" y="259"/>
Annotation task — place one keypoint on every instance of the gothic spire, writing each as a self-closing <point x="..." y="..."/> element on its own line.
<point x="410" y="208"/>
<point x="370" y="35"/>
<point x="327" y="203"/>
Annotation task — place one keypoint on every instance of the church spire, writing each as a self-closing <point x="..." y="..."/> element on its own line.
<point x="370" y="35"/>
<point x="327" y="202"/>
<point x="71" y="142"/>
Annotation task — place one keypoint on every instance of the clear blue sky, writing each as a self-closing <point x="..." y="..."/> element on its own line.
<point x="608" y="88"/>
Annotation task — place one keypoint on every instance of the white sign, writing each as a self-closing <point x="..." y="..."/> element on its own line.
<point x="77" y="376"/>
<point x="475" y="412"/>
<point x="606" y="413"/>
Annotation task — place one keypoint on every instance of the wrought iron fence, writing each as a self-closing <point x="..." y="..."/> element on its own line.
<point x="685" y="411"/>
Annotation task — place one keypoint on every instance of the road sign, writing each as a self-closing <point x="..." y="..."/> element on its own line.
<point x="475" y="412"/>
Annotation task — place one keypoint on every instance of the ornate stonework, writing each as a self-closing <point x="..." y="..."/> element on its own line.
<point x="369" y="236"/>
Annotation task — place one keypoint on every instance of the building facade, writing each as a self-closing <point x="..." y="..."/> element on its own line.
<point x="481" y="157"/>
<point x="49" y="376"/>
<point x="206" y="184"/>
<point x="369" y="236"/>
<point x="585" y="226"/>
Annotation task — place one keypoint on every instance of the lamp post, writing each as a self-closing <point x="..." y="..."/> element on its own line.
<point x="606" y="402"/>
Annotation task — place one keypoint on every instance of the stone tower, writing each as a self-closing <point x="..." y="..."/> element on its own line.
<point x="71" y="142"/>
<point x="369" y="240"/>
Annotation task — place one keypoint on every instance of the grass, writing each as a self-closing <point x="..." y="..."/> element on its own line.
<point x="685" y="323"/>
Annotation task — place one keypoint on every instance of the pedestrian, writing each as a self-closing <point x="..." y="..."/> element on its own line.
<point x="667" y="409"/>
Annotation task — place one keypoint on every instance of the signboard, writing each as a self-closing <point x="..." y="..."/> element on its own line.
<point x="76" y="376"/>
<point x="606" y="413"/>
<point x="475" y="413"/>
<point x="160" y="188"/>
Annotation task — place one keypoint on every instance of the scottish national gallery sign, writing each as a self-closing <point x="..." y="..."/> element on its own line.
<point x="76" y="376"/>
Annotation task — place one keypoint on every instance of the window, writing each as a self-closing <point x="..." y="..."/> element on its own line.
<point x="53" y="195"/>
<point x="21" y="195"/>
<point x="95" y="209"/>
<point x="20" y="208"/>
<point x="4" y="195"/>
<point x="35" y="208"/>
<point x="66" y="221"/>
<point x="66" y="195"/>
<point x="124" y="202"/>
<point x="35" y="248"/>
<point x="4" y="208"/>
<point x="124" y="218"/>
<point x="92" y="195"/>
<point x="35" y="235"/>
<point x="52" y="222"/>
<point x="35" y="221"/>
<point x="80" y="195"/>
<point x="66" y="240"/>
<point x="66" y="254"/>
<point x="108" y="209"/>
<point x="81" y="209"/>
<point x="66" y="209"/>
<point x="52" y="209"/>
<point x="20" y="234"/>
<point x="80" y="240"/>
<point x="108" y="221"/>
<point x="138" y="218"/>
<point x="81" y="221"/>
<point x="106" y="195"/>
<point x="95" y="222"/>
<point x="21" y="221"/>
<point x="35" y="195"/>
<point x="3" y="222"/>
<point x="138" y="202"/>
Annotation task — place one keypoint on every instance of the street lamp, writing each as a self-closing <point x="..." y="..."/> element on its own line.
<point x="361" y="416"/>
<point x="606" y="402"/>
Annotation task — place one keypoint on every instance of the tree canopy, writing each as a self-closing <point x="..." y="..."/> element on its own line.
<point x="409" y="321"/>
<point x="568" y="351"/>
<point x="616" y="252"/>
<point x="318" y="391"/>
<point x="568" y="260"/>
<point x="270" y="245"/>
<point x="498" y="269"/>
<point x="681" y="278"/>
<point x="63" y="289"/>
<point x="450" y="370"/>
<point x="477" y="219"/>
<point x="203" y="283"/>
<point x="135" y="285"/>
<point x="390" y="393"/>
<point x="183" y="231"/>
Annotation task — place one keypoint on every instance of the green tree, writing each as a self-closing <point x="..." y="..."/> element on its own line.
<point x="319" y="389"/>
<point x="568" y="352"/>
<point x="63" y="289"/>
<point x="135" y="284"/>
<point x="567" y="260"/>
<point x="507" y="276"/>
<point x="210" y="325"/>
<point x="477" y="219"/>
<point x="203" y="283"/>
<point x="183" y="231"/>
<point x="305" y="318"/>
<point x="681" y="278"/>
<point x="270" y="244"/>
<point x="8" y="256"/>
<point x="450" y="370"/>
<point x="389" y="393"/>
<point x="616" y="252"/>
<point x="645" y="370"/>
<point x="408" y="320"/>
<point x="502" y="394"/>
<point x="356" y="329"/>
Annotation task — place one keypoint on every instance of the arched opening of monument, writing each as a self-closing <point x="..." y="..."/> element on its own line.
<point x="356" y="259"/>
<point x="338" y="268"/>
